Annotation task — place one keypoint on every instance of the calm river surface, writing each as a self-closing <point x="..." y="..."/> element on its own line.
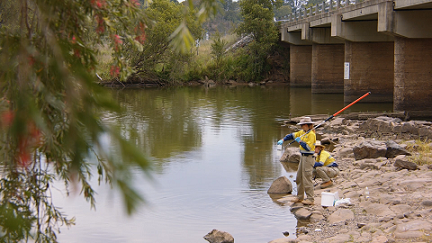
<point x="214" y="154"/>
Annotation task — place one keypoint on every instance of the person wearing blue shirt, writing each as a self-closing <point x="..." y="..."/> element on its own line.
<point x="325" y="166"/>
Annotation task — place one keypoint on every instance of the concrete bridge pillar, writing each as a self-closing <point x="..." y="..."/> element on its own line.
<point x="369" y="66"/>
<point x="300" y="65"/>
<point x="328" y="69"/>
<point x="413" y="76"/>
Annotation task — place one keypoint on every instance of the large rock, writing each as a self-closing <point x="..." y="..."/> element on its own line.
<point x="401" y="209"/>
<point x="217" y="236"/>
<point x="402" y="162"/>
<point x="280" y="186"/>
<point x="394" y="149"/>
<point x="414" y="226"/>
<point x="380" y="210"/>
<point x="370" y="149"/>
<point x="340" y="238"/>
<point x="283" y="240"/>
<point x="381" y="124"/>
<point x="410" y="127"/>
<point x="425" y="132"/>
<point x="340" y="215"/>
<point x="414" y="184"/>
<point x="368" y="164"/>
<point x="409" y="235"/>
<point x="302" y="214"/>
<point x="345" y="153"/>
<point x="291" y="155"/>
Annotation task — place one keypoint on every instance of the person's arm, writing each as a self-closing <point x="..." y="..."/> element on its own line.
<point x="318" y="162"/>
<point x="305" y="145"/>
<point x="287" y="137"/>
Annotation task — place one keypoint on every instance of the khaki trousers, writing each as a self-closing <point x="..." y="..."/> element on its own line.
<point x="304" y="178"/>
<point x="325" y="172"/>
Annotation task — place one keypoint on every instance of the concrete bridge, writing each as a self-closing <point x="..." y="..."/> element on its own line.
<point x="382" y="46"/>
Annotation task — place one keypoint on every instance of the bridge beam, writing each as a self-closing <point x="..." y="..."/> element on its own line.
<point x="327" y="69"/>
<point x="300" y="66"/>
<point x="413" y="76"/>
<point x="404" y="22"/>
<point x="357" y="31"/>
<point x="294" y="38"/>
<point x="369" y="67"/>
<point x="323" y="36"/>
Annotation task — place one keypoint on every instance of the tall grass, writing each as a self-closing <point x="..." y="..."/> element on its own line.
<point x="421" y="150"/>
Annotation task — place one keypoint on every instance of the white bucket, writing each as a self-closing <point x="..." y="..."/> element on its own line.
<point x="328" y="199"/>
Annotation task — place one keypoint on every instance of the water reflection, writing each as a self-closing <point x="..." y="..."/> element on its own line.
<point x="215" y="153"/>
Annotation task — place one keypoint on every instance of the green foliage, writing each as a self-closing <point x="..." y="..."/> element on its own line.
<point x="258" y="22"/>
<point x="51" y="107"/>
<point x="227" y="18"/>
<point x="282" y="11"/>
<point x="166" y="16"/>
<point x="218" y="48"/>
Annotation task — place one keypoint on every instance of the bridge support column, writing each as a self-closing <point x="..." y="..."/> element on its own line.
<point x="327" y="69"/>
<point x="371" y="68"/>
<point x="300" y="66"/>
<point x="413" y="76"/>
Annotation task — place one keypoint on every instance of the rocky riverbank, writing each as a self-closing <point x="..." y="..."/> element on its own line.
<point x="385" y="165"/>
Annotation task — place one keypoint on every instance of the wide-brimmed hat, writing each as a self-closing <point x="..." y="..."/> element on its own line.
<point x="318" y="144"/>
<point x="305" y="120"/>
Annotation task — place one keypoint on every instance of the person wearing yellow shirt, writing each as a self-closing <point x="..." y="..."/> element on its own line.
<point x="305" y="169"/>
<point x="325" y="166"/>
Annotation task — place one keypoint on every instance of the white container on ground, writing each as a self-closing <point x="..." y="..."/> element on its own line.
<point x="328" y="198"/>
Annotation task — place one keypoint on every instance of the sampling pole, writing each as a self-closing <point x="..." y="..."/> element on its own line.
<point x="335" y="114"/>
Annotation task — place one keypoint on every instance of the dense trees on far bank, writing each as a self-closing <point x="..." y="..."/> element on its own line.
<point x="158" y="63"/>
<point x="157" y="60"/>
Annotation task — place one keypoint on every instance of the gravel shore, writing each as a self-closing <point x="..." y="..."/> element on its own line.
<point x="385" y="156"/>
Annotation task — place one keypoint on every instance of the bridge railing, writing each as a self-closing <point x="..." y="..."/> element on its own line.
<point x="324" y="7"/>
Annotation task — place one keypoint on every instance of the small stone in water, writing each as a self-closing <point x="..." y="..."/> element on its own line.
<point x="286" y="233"/>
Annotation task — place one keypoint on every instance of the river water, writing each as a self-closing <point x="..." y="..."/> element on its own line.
<point x="214" y="156"/>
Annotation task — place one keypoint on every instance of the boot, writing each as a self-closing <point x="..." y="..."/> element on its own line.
<point x="326" y="184"/>
<point x="296" y="200"/>
<point x="308" y="202"/>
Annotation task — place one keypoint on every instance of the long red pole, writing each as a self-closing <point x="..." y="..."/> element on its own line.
<point x="335" y="114"/>
<point x="352" y="103"/>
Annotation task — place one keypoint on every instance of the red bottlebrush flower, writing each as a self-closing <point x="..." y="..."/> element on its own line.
<point x="140" y="30"/>
<point x="23" y="157"/>
<point x="77" y="53"/>
<point x="135" y="3"/>
<point x="31" y="60"/>
<point x="117" y="41"/>
<point x="24" y="160"/>
<point x="100" y="24"/>
<point x="141" y="38"/>
<point x="115" y="71"/>
<point x="35" y="134"/>
<point x="7" y="117"/>
<point x="98" y="3"/>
